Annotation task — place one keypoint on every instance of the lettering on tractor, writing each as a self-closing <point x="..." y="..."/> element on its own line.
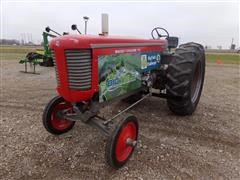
<point x="94" y="71"/>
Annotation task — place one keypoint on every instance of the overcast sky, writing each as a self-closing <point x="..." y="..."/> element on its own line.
<point x="211" y="24"/>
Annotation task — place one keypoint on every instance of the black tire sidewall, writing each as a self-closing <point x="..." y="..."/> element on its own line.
<point x="200" y="60"/>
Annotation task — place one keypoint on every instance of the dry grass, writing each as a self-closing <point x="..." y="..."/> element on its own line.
<point x="19" y="52"/>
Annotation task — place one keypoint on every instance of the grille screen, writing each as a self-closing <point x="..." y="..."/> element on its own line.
<point x="79" y="66"/>
<point x="55" y="65"/>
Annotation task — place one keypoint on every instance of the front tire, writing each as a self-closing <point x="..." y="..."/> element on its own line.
<point x="122" y="142"/>
<point x="185" y="78"/>
<point x="51" y="121"/>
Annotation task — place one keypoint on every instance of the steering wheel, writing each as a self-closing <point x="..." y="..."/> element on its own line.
<point x="156" y="33"/>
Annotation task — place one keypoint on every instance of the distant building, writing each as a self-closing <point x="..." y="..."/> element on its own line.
<point x="233" y="46"/>
<point x="9" y="42"/>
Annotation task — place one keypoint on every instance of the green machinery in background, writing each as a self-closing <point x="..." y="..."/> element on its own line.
<point x="43" y="57"/>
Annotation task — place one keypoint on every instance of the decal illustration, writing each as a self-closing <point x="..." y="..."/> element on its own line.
<point x="121" y="73"/>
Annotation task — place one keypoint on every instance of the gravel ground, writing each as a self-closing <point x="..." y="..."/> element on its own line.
<point x="205" y="145"/>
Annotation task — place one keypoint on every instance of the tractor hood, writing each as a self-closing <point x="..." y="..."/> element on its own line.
<point x="93" y="41"/>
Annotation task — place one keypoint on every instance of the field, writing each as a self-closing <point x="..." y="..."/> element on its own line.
<point x="19" y="52"/>
<point x="223" y="58"/>
<point x="16" y="52"/>
<point x="202" y="146"/>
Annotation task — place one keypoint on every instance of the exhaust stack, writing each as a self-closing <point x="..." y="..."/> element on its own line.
<point x="105" y="24"/>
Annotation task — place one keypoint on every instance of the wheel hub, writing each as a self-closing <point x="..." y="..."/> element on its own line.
<point x="131" y="142"/>
<point x="57" y="120"/>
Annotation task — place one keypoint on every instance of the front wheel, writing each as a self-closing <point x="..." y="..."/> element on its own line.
<point x="185" y="78"/>
<point x="52" y="122"/>
<point x="122" y="142"/>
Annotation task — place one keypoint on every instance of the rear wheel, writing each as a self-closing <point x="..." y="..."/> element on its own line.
<point x="185" y="78"/>
<point x="122" y="142"/>
<point x="51" y="120"/>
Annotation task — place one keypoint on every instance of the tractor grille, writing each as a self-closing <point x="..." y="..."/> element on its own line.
<point x="79" y="66"/>
<point x="55" y="65"/>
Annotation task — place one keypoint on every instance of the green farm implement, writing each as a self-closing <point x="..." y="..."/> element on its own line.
<point x="43" y="57"/>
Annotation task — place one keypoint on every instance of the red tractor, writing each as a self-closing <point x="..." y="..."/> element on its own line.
<point x="93" y="71"/>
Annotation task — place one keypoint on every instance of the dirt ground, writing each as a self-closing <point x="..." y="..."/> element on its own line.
<point x="205" y="145"/>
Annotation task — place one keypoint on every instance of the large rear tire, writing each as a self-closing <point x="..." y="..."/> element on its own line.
<point x="185" y="78"/>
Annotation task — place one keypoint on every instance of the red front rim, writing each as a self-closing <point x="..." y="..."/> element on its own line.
<point x="58" y="123"/>
<point x="123" y="151"/>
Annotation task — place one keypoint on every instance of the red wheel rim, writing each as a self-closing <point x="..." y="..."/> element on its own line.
<point x="123" y="151"/>
<point x="58" y="123"/>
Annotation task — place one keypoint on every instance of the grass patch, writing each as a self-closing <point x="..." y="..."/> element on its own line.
<point x="16" y="52"/>
<point x="223" y="58"/>
<point x="12" y="56"/>
<point x="19" y="52"/>
<point x="18" y="49"/>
